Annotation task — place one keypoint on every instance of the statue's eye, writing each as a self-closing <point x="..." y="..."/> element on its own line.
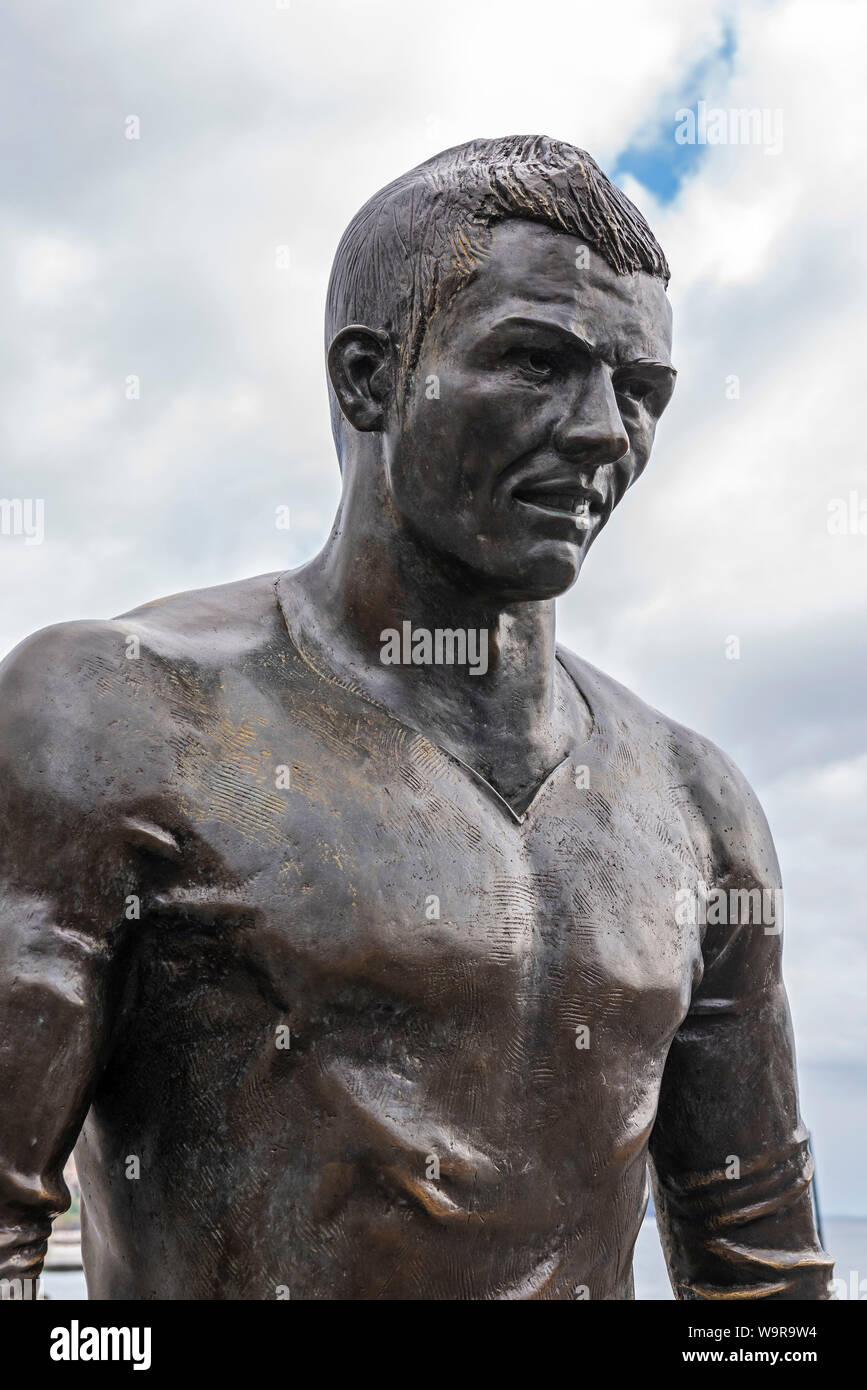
<point x="636" y="388"/>
<point x="535" y="363"/>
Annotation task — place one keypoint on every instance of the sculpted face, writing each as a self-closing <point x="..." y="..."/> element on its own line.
<point x="532" y="408"/>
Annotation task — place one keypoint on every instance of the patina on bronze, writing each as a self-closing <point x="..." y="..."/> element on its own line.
<point x="381" y="968"/>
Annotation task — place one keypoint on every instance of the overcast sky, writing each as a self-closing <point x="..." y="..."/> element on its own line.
<point x="195" y="258"/>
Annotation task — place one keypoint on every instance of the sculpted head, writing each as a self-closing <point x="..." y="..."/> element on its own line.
<point x="498" y="339"/>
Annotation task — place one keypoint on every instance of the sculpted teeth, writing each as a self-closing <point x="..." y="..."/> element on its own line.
<point x="561" y="502"/>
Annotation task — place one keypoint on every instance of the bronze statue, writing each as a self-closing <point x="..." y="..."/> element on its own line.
<point x="367" y="944"/>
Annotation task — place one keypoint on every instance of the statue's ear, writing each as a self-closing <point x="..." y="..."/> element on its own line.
<point x="360" y="365"/>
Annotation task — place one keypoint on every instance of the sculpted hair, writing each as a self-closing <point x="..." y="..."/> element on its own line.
<point x="418" y="241"/>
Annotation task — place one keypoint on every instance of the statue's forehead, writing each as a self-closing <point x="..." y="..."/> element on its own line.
<point x="529" y="269"/>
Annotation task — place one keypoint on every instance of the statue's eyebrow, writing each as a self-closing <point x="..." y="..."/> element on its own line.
<point x="577" y="341"/>
<point x="567" y="336"/>
<point x="653" y="363"/>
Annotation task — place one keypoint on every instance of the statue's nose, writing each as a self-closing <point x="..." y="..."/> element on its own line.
<point x="592" y="428"/>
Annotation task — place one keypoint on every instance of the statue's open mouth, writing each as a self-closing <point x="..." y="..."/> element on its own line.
<point x="574" y="504"/>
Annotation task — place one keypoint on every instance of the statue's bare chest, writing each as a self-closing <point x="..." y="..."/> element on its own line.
<point x="376" y="878"/>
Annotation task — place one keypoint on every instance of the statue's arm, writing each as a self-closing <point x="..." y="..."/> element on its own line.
<point x="731" y="1165"/>
<point x="63" y="886"/>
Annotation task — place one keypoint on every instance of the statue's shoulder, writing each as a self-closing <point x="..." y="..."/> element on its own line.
<point x="714" y="794"/>
<point x="201" y="627"/>
<point x="218" y="625"/>
<point x="87" y="692"/>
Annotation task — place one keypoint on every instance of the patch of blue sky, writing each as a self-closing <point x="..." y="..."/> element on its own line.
<point x="654" y="157"/>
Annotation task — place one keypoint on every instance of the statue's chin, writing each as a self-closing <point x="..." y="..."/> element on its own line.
<point x="546" y="576"/>
<point x="534" y="586"/>
<point x="544" y="569"/>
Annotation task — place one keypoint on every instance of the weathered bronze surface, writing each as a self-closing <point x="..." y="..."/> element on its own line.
<point x="360" y="978"/>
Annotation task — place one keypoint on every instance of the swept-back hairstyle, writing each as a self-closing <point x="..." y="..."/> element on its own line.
<point x="417" y="241"/>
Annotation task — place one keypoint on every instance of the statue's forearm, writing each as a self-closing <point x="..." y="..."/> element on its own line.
<point x="754" y="1238"/>
<point x="51" y="1031"/>
<point x="731" y="1157"/>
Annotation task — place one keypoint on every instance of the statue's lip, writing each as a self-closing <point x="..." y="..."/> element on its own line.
<point x="562" y="495"/>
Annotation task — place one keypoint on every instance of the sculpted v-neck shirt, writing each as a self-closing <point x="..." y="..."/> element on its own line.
<point x="372" y="1036"/>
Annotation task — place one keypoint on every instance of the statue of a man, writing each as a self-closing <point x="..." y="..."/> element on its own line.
<point x="366" y="943"/>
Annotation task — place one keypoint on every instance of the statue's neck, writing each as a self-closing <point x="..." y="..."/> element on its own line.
<point x="376" y="579"/>
<point x="377" y="613"/>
